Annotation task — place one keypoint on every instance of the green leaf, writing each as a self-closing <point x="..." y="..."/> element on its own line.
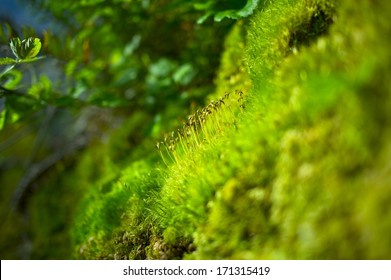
<point x="31" y="47"/>
<point x="27" y="60"/>
<point x="26" y="49"/>
<point x="236" y="14"/>
<point x="229" y="9"/>
<point x="7" y="61"/>
<point x="15" y="45"/>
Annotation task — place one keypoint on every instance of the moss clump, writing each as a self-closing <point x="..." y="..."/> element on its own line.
<point x="109" y="209"/>
<point x="312" y="138"/>
<point x="291" y="163"/>
<point x="300" y="172"/>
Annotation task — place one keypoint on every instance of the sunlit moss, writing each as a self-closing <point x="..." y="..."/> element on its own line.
<point x="291" y="163"/>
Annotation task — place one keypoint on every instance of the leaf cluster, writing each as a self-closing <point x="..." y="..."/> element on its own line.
<point x="24" y="51"/>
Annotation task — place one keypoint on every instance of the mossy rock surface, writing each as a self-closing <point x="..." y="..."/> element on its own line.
<point x="300" y="169"/>
<point x="288" y="159"/>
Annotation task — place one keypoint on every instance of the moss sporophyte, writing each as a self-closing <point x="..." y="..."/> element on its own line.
<point x="203" y="127"/>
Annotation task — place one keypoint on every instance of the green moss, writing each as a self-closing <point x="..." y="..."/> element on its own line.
<point x="311" y="135"/>
<point x="299" y="173"/>
<point x="293" y="163"/>
<point x="111" y="206"/>
<point x="232" y="74"/>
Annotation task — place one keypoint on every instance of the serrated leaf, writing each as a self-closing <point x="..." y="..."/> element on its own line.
<point x="15" y="46"/>
<point x="26" y="49"/>
<point x="30" y="47"/>
<point x="7" y="61"/>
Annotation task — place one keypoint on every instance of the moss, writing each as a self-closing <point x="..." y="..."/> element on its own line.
<point x="294" y="164"/>
<point x="232" y="73"/>
<point x="308" y="116"/>
<point x="281" y="176"/>
<point x="113" y="209"/>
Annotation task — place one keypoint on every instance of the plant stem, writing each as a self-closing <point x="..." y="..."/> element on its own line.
<point x="8" y="70"/>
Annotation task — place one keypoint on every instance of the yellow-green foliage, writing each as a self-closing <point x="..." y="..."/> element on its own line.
<point x="232" y="74"/>
<point x="315" y="137"/>
<point x="298" y="169"/>
<point x="112" y="203"/>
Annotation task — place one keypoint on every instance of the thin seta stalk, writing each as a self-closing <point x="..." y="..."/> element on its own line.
<point x="205" y="126"/>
